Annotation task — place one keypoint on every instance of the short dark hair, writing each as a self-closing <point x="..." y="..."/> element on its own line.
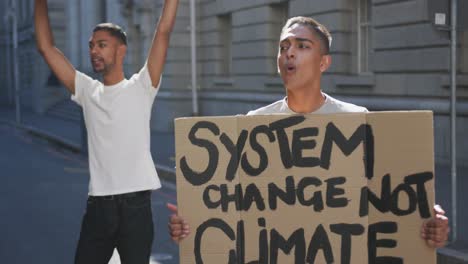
<point x="114" y="30"/>
<point x="320" y="30"/>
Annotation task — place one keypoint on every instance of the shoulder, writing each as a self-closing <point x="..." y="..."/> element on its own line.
<point x="334" y="105"/>
<point x="85" y="82"/>
<point x="81" y="76"/>
<point x="143" y="78"/>
<point x="273" y="108"/>
<point x="84" y="87"/>
<point x="84" y="78"/>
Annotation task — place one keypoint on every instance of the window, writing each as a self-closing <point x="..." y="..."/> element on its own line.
<point x="363" y="36"/>
<point x="225" y="30"/>
<point x="19" y="12"/>
<point x="22" y="7"/>
<point x="103" y="11"/>
<point x="463" y="52"/>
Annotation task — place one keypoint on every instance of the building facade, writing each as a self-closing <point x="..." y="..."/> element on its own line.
<point x="387" y="55"/>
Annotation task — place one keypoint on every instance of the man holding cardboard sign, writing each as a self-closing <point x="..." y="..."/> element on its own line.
<point x="302" y="58"/>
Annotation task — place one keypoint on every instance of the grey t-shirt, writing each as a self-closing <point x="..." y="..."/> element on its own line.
<point x="331" y="106"/>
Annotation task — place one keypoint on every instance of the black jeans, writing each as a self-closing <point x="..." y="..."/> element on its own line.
<point x="120" y="221"/>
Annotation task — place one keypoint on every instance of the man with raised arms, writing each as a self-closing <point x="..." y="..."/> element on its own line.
<point x="117" y="115"/>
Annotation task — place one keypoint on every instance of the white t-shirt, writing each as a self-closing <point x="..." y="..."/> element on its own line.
<point x="117" y="119"/>
<point x="330" y="106"/>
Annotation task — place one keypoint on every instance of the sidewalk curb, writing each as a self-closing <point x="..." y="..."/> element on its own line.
<point x="166" y="173"/>
<point x="452" y="256"/>
<point x="56" y="139"/>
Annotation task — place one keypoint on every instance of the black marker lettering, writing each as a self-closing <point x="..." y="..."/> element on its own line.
<point x="373" y="243"/>
<point x="346" y="231"/>
<point x="283" y="141"/>
<point x="199" y="178"/>
<point x="363" y="134"/>
<point x="213" y="223"/>
<point x="299" y="144"/>
<point x="316" y="198"/>
<point x="288" y="196"/>
<point x="246" y="166"/>
<point x="235" y="151"/>
<point x="332" y="191"/>
<point x="296" y="240"/>
<point x="319" y="241"/>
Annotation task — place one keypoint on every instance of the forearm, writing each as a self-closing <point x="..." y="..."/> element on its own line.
<point x="44" y="37"/>
<point x="57" y="62"/>
<point x="158" y="50"/>
<point x="168" y="16"/>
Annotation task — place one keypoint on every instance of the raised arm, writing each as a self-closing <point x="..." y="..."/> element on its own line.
<point x="57" y="62"/>
<point x="158" y="50"/>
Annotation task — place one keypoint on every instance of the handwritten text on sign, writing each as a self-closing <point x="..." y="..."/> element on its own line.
<point x="301" y="152"/>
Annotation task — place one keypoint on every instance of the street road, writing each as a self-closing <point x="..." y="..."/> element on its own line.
<point x="42" y="200"/>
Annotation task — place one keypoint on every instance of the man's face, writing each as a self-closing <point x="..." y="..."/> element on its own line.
<point x="104" y="51"/>
<point x="300" y="57"/>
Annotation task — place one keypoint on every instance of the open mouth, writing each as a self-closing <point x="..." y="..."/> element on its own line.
<point x="290" y="68"/>
<point x="96" y="59"/>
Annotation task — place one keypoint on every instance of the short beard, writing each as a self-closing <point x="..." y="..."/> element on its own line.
<point x="106" y="67"/>
<point x="101" y="71"/>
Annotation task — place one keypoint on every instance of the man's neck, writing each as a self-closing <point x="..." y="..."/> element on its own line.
<point x="112" y="78"/>
<point x="305" y="100"/>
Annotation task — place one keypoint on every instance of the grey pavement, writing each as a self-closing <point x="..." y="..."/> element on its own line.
<point x="65" y="133"/>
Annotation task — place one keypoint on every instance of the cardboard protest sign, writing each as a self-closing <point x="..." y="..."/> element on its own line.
<point x="340" y="188"/>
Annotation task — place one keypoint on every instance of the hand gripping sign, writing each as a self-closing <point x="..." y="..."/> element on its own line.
<point x="339" y="188"/>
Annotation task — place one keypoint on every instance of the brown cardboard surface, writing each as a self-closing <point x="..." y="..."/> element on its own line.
<point x="260" y="157"/>
<point x="403" y="146"/>
<point x="189" y="195"/>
